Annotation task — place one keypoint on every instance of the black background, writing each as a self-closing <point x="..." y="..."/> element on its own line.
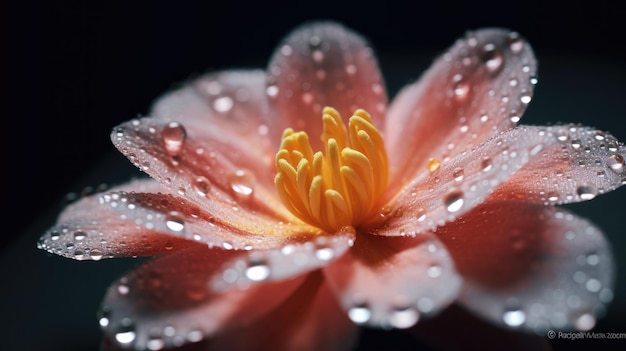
<point x="77" y="69"/>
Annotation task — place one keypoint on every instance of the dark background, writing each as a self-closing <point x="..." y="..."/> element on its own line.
<point x="77" y="69"/>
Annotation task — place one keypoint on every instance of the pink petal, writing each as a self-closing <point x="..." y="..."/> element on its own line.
<point x="233" y="102"/>
<point x="287" y="262"/>
<point x="210" y="168"/>
<point x="530" y="266"/>
<point x="310" y="319"/>
<point x="478" y="88"/>
<point x="461" y="183"/>
<point x="167" y="301"/>
<point x="89" y="229"/>
<point x="576" y="164"/>
<point x="323" y="64"/>
<point x="391" y="282"/>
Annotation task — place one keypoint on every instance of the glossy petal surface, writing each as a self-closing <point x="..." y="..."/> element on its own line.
<point x="391" y="282"/>
<point x="480" y="87"/>
<point x="168" y="302"/>
<point x="91" y="229"/>
<point x="310" y="319"/>
<point x="576" y="165"/>
<point x="530" y="266"/>
<point x="318" y="65"/>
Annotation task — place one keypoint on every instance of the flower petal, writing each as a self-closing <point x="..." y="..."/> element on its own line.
<point x="576" y="164"/>
<point x="462" y="183"/>
<point x="279" y="264"/>
<point x="310" y="319"/>
<point x="480" y="87"/>
<point x="175" y="216"/>
<point x="167" y="301"/>
<point x="530" y="266"/>
<point x="89" y="230"/>
<point x="233" y="102"/>
<point x="323" y="64"/>
<point x="207" y="168"/>
<point x="390" y="282"/>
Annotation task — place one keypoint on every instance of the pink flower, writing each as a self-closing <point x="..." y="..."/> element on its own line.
<point x="437" y="198"/>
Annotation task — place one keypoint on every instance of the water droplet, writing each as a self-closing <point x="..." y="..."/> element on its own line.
<point x="432" y="164"/>
<point x="486" y="164"/>
<point x="586" y="192"/>
<point x="403" y="318"/>
<point x="576" y="144"/>
<point x="79" y="235"/>
<point x="318" y="56"/>
<point x="525" y="98"/>
<point x="223" y="104"/>
<point x="104" y="317"/>
<point x="461" y="90"/>
<point x="324" y="253"/>
<point x="155" y="343"/>
<point x="458" y="174"/>
<point x="195" y="336"/>
<point x="174" y="221"/>
<point x="514" y="317"/>
<point x="585" y="321"/>
<point x="173" y="135"/>
<point x="351" y="69"/>
<point x="122" y="288"/>
<point x="516" y="44"/>
<point x="434" y="271"/>
<point x="96" y="254"/>
<point x="257" y="271"/>
<point x="242" y="183"/>
<point x="202" y="185"/>
<point x="271" y="91"/>
<point x="491" y="56"/>
<point x="514" y="117"/>
<point x="454" y="201"/>
<point x="360" y="314"/>
<point x="615" y="162"/>
<point x="593" y="285"/>
<point x="126" y="334"/>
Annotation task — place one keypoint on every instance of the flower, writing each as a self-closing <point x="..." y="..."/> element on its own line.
<point x="437" y="198"/>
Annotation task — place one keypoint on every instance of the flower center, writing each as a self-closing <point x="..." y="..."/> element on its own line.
<point x="341" y="186"/>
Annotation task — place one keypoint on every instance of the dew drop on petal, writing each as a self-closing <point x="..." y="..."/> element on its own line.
<point x="360" y="314"/>
<point x="586" y="192"/>
<point x="242" y="184"/>
<point x="516" y="44"/>
<point x="125" y="335"/>
<point x="486" y="164"/>
<point x="454" y="201"/>
<point x="96" y="254"/>
<point x="173" y="135"/>
<point x="458" y="174"/>
<point x="514" y="317"/>
<point x="174" y="221"/>
<point x="461" y="90"/>
<point x="615" y="162"/>
<point x="403" y="318"/>
<point x="223" y="104"/>
<point x="491" y="56"/>
<point x="585" y="321"/>
<point x="257" y="271"/>
<point x="202" y="185"/>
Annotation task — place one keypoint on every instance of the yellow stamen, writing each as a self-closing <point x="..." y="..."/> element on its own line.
<point x="341" y="186"/>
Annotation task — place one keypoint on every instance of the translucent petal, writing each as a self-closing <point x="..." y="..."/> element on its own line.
<point x="576" y="164"/>
<point x="168" y="302"/>
<point x="89" y="229"/>
<point x="391" y="282"/>
<point x="279" y="264"/>
<point x="317" y="65"/>
<point x="210" y="171"/>
<point x="231" y="102"/>
<point x="310" y="319"/>
<point x="531" y="267"/>
<point x="478" y="88"/>
<point x="463" y="182"/>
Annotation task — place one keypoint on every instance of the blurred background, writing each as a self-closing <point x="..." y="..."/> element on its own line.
<point x="80" y="68"/>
